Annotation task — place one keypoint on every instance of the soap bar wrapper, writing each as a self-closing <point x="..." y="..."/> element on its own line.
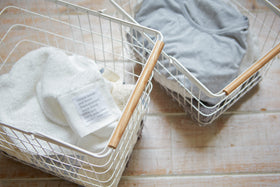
<point x="90" y="108"/>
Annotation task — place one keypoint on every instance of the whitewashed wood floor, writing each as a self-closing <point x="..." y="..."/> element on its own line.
<point x="242" y="148"/>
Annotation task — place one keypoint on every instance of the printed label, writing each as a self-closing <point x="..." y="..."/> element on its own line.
<point x="91" y="106"/>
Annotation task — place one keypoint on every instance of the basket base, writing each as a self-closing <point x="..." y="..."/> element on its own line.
<point x="204" y="114"/>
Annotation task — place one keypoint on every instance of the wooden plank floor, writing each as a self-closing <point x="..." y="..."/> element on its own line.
<point x="242" y="148"/>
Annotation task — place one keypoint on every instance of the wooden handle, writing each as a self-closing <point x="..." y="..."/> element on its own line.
<point x="139" y="88"/>
<point x="253" y="69"/>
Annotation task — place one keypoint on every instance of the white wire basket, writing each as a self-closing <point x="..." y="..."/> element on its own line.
<point x="264" y="24"/>
<point x="29" y="25"/>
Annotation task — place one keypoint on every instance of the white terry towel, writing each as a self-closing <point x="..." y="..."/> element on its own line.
<point x="59" y="72"/>
<point x="19" y="104"/>
<point x="29" y="97"/>
<point x="72" y="91"/>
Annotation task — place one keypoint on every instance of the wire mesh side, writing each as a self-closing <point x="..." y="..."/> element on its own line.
<point x="75" y="30"/>
<point x="68" y="162"/>
<point x="264" y="27"/>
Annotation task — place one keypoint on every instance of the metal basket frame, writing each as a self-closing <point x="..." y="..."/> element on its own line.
<point x="37" y="27"/>
<point x="268" y="34"/>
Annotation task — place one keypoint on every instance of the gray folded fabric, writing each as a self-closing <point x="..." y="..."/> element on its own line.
<point x="208" y="37"/>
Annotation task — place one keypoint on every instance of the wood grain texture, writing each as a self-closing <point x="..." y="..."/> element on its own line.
<point x="264" y="97"/>
<point x="135" y="96"/>
<point x="231" y="145"/>
<point x="47" y="182"/>
<point x="252" y="70"/>
<point x="241" y="148"/>
<point x="221" y="180"/>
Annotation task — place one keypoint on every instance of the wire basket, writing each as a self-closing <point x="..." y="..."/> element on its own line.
<point x="264" y="24"/>
<point x="29" y="25"/>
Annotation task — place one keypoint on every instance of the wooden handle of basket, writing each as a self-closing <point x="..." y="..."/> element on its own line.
<point x="253" y="69"/>
<point x="139" y="88"/>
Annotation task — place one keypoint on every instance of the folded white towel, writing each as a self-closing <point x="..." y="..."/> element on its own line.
<point x="58" y="73"/>
<point x="19" y="104"/>
<point x="72" y="91"/>
<point x="32" y="97"/>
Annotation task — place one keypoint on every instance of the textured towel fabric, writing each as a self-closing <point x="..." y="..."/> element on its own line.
<point x="72" y="91"/>
<point x="61" y="74"/>
<point x="19" y="104"/>
<point x="29" y="97"/>
<point x="208" y="37"/>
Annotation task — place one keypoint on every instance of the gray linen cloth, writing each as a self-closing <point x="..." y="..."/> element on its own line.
<point x="208" y="37"/>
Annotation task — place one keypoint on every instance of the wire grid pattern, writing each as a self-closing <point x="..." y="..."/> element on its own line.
<point x="76" y="30"/>
<point x="267" y="33"/>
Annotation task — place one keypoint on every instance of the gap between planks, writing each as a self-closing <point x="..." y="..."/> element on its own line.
<point x="244" y="174"/>
<point x="202" y="175"/>
<point x="224" y="114"/>
<point x="32" y="179"/>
